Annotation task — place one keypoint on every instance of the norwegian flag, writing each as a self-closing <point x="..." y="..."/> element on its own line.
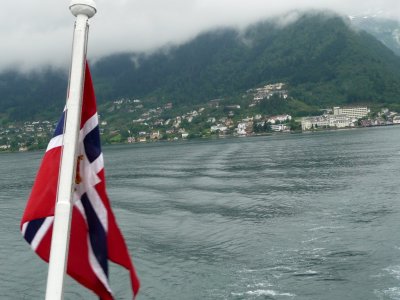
<point x="95" y="237"/>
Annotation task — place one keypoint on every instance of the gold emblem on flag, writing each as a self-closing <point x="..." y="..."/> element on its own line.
<point x="78" y="178"/>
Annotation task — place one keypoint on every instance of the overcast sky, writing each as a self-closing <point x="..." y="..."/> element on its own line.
<point x="34" y="35"/>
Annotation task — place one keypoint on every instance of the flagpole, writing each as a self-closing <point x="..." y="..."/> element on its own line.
<point x="82" y="10"/>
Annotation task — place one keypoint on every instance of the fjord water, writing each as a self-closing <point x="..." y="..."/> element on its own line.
<point x="297" y="216"/>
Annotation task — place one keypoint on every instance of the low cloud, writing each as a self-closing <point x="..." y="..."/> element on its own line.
<point x="35" y="35"/>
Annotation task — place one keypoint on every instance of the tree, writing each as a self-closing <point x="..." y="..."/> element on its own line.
<point x="294" y="126"/>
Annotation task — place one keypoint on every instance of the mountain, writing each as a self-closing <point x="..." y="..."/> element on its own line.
<point x="320" y="57"/>
<point x="39" y="94"/>
<point x="384" y="29"/>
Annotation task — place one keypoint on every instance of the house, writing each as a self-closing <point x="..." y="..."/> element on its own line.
<point x="269" y="90"/>
<point x="244" y="128"/>
<point x="279" y="118"/>
<point x="218" y="127"/>
<point x="229" y="123"/>
<point x="279" y="127"/>
<point x="214" y="103"/>
<point x="138" y="121"/>
<point x="177" y="122"/>
<point x="159" y="122"/>
<point x="223" y="119"/>
<point x="308" y="123"/>
<point x="155" y="135"/>
<point x="247" y="119"/>
<point x="235" y="106"/>
<point x="241" y="129"/>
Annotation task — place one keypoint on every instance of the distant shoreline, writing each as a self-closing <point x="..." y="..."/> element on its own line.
<point x="221" y="137"/>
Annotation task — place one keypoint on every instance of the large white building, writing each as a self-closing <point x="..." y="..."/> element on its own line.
<point x="280" y="118"/>
<point x="338" y="121"/>
<point x="356" y="112"/>
<point x="314" y="122"/>
<point x="396" y="120"/>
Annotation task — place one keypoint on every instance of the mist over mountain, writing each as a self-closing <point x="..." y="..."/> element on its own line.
<point x="320" y="57"/>
<point x="40" y="94"/>
<point x="384" y="29"/>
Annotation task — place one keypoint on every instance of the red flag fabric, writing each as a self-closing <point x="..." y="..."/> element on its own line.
<point x="95" y="236"/>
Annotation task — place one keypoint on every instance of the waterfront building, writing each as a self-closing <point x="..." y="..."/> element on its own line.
<point x="241" y="128"/>
<point x="340" y="121"/>
<point x="155" y="135"/>
<point x="308" y="123"/>
<point x="396" y="120"/>
<point x="279" y="127"/>
<point x="325" y="121"/>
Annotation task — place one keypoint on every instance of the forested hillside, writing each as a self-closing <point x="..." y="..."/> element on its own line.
<point x="322" y="61"/>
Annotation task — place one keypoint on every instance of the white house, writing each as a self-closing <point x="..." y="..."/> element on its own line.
<point x="280" y="118"/>
<point x="218" y="127"/>
<point x="279" y="127"/>
<point x="308" y="123"/>
<point x="241" y="128"/>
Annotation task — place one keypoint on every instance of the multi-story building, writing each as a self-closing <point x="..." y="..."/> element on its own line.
<point x="356" y="112"/>
<point x="314" y="122"/>
<point x="340" y="121"/>
<point x="324" y="121"/>
<point x="396" y="120"/>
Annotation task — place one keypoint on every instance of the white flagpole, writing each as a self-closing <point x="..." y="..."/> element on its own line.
<point x="82" y="10"/>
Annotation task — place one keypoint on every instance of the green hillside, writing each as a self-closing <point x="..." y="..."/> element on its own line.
<point x="385" y="30"/>
<point x="322" y="61"/>
<point x="28" y="96"/>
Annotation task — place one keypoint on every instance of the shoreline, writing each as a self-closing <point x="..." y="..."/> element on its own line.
<point x="218" y="137"/>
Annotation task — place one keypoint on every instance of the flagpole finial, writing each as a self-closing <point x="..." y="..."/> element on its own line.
<point x="83" y="7"/>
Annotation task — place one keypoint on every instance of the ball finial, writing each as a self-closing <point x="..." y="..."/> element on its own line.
<point x="83" y="7"/>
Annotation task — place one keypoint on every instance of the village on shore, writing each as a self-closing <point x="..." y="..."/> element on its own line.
<point x="215" y="119"/>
